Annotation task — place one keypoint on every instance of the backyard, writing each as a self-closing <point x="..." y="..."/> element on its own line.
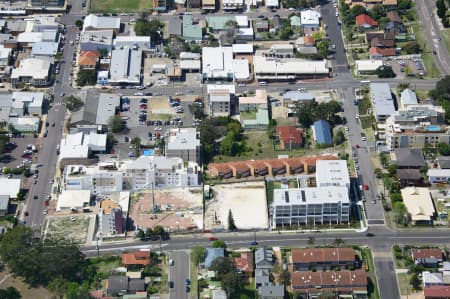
<point x="120" y="5"/>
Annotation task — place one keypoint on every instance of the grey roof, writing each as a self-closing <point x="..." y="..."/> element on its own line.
<point x="136" y="285"/>
<point x="126" y="66"/>
<point x="97" y="110"/>
<point x="107" y="104"/>
<point x="271" y="291"/>
<point x="307" y="50"/>
<point x="276" y="22"/>
<point x="212" y="254"/>
<point x="295" y="95"/>
<point x="444" y="162"/>
<point x="117" y="283"/>
<point x="382" y="98"/>
<point x="4" y="202"/>
<point x="45" y="48"/>
<point x="87" y="114"/>
<point x="408" y="97"/>
<point x="263" y="258"/>
<point x="5" y="37"/>
<point x="175" y="26"/>
<point x="408" y="174"/>
<point x="409" y="157"/>
<point x="49" y="35"/>
<point x="5" y="100"/>
<point x="16" y="26"/>
<point x="262" y="276"/>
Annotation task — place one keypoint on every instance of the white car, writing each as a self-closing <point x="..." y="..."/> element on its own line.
<point x="138" y="94"/>
<point x="363" y="138"/>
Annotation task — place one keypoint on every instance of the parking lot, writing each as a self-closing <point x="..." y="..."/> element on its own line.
<point x="149" y="118"/>
<point x="405" y="66"/>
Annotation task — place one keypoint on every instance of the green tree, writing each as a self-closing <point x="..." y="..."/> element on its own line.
<point x="232" y="283"/>
<point x="377" y="11"/>
<point x="77" y="291"/>
<point x="412" y="47"/>
<point x="140" y="234"/>
<point x="116" y="124"/>
<point x="137" y="145"/>
<point x="57" y="286"/>
<point x="219" y="244"/>
<point x="222" y="265"/>
<point x="73" y="103"/>
<point x="415" y="281"/>
<point x="392" y="170"/>
<point x="86" y="77"/>
<point x="404" y="4"/>
<point x="441" y="94"/>
<point x="79" y="24"/>
<point x="402" y="86"/>
<point x="385" y="72"/>
<point x="322" y="47"/>
<point x="339" y="138"/>
<point x="285" y="277"/>
<point x="10" y="293"/>
<point x="356" y="10"/>
<point x="338" y="242"/>
<point x="444" y="149"/>
<point x="384" y="159"/>
<point x="149" y="233"/>
<point x="198" y="254"/>
<point x="152" y="28"/>
<point x="231" y="224"/>
<point x="158" y="230"/>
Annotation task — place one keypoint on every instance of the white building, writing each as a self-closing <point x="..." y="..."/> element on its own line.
<point x="332" y="173"/>
<point x="219" y="102"/>
<point x="367" y="67"/>
<point x="9" y="187"/>
<point x="32" y="71"/>
<point x="436" y="175"/>
<point x="419" y="204"/>
<point x="96" y="40"/>
<point x="241" y="69"/>
<point x="73" y="200"/>
<point x="382" y="101"/>
<point x="93" y="22"/>
<point x="5" y="56"/>
<point x="308" y="206"/>
<point x="183" y="143"/>
<point x="232" y="4"/>
<point x="79" y="145"/>
<point x="126" y="66"/>
<point x="217" y="63"/>
<point x="310" y="18"/>
<point x="141" y="42"/>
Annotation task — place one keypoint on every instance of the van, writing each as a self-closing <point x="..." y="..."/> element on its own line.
<point x="263" y="83"/>
<point x="364" y="82"/>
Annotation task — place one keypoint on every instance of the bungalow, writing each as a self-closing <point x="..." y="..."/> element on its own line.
<point x="136" y="259"/>
<point x="429" y="257"/>
<point x="212" y="254"/>
<point x="379" y="42"/>
<point x="322" y="132"/>
<point x="258" y="168"/>
<point x="276" y="167"/>
<point x="289" y="137"/>
<point x="220" y="170"/>
<point x="87" y="60"/>
<point x="409" y="177"/>
<point x="437" y="292"/>
<point x="365" y="21"/>
<point x="244" y="263"/>
<point x="322" y="258"/>
<point x="271" y="291"/>
<point x="437" y="176"/>
<point x="294" y="165"/>
<point x="379" y="53"/>
<point x="239" y="169"/>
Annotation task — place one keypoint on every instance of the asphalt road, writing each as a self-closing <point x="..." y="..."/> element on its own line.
<point x="431" y="29"/>
<point x="178" y="274"/>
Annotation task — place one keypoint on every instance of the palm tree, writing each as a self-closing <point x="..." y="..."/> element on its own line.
<point x="338" y="242"/>
<point x="311" y="241"/>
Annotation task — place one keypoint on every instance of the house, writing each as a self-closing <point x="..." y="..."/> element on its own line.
<point x="87" y="60"/>
<point x="365" y="21"/>
<point x="191" y="31"/>
<point x="409" y="177"/>
<point x="277" y="23"/>
<point x="437" y="292"/>
<point x="261" y="25"/>
<point x="419" y="204"/>
<point x="295" y="21"/>
<point x="232" y="5"/>
<point x="223" y="171"/>
<point x="438" y="176"/>
<point x="381" y="97"/>
<point x="183" y="143"/>
<point x="383" y="43"/>
<point x="379" y="53"/>
<point x="395" y="27"/>
<point x="175" y="27"/>
<point x="432" y="279"/>
<point x="32" y="71"/>
<point x="254" y="110"/>
<point x="306" y="45"/>
<point x="367" y="67"/>
<point x="244" y="263"/>
<point x="262" y="277"/>
<point x="443" y="162"/>
<point x="322" y="132"/>
<point x="263" y="258"/>
<point x="239" y="169"/>
<point x="322" y="258"/>
<point x="393" y="16"/>
<point x="408" y="158"/>
<point x="310" y="19"/>
<point x="94" y="22"/>
<point x="118" y="285"/>
<point x="218" y="23"/>
<point x="338" y="283"/>
<point x="408" y="98"/>
<point x="292" y="97"/>
<point x="209" y="4"/>
<point x="4" y="205"/>
<point x="428" y="257"/>
<point x="126" y="66"/>
<point x="136" y="259"/>
<point x="271" y="291"/>
<point x="212" y="254"/>
<point x="290" y="137"/>
<point x="381" y="36"/>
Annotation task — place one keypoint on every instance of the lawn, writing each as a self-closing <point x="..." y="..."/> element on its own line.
<point x="120" y="5"/>
<point x="363" y="105"/>
<point x="248" y="115"/>
<point x="446" y="35"/>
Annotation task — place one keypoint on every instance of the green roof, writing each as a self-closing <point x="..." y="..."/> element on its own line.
<point x="295" y="21"/>
<point x="191" y="31"/>
<point x="218" y="22"/>
<point x="262" y="118"/>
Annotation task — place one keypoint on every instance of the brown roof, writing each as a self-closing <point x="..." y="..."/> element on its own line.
<point x="309" y="40"/>
<point x="108" y="205"/>
<point x="383" y="52"/>
<point x="427" y="253"/>
<point x="220" y="167"/>
<point x="393" y="16"/>
<point x="275" y="163"/>
<point x="408" y="174"/>
<point x="88" y="58"/>
<point x="257" y="164"/>
<point x="382" y="42"/>
<point x="437" y="291"/>
<point x="364" y="19"/>
<point x="290" y="134"/>
<point x="337" y="281"/>
<point x="294" y="162"/>
<point x="321" y="255"/>
<point x="238" y="166"/>
<point x="244" y="262"/>
<point x="382" y="35"/>
<point x="136" y="258"/>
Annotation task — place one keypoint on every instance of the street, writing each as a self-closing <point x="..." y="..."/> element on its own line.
<point x="179" y="272"/>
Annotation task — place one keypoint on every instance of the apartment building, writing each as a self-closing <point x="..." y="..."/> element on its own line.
<point x="183" y="143"/>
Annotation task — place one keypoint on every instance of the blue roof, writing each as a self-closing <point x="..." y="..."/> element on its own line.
<point x="212" y="254"/>
<point x="322" y="132"/>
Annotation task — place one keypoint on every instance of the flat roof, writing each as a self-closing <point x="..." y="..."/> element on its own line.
<point x="418" y="202"/>
<point x="126" y="66"/>
<point x="241" y="69"/>
<point x="302" y="196"/>
<point x="260" y="97"/>
<point x="33" y="99"/>
<point x="73" y="199"/>
<point x="183" y="138"/>
<point x="242" y="48"/>
<point x="45" y="48"/>
<point x="100" y="22"/>
<point x="36" y="68"/>
<point x="368" y="65"/>
<point x="9" y="187"/>
<point x="262" y="65"/>
<point x="382" y="99"/>
<point x="332" y="173"/>
<point x="217" y="61"/>
<point x="107" y="104"/>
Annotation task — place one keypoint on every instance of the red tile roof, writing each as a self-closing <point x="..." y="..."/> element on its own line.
<point x="289" y="134"/>
<point x="239" y="166"/>
<point x="244" y="262"/>
<point x="136" y="258"/>
<point x="309" y="40"/>
<point x="275" y="163"/>
<point x="322" y="255"/>
<point x="340" y="281"/>
<point x="364" y="19"/>
<point x="383" y="52"/>
<point x="427" y="253"/>
<point x="437" y="292"/>
<point x="88" y="58"/>
<point x="220" y="167"/>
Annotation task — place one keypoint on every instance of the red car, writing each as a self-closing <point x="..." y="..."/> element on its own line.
<point x="212" y="238"/>
<point x="357" y="146"/>
<point x="366" y="187"/>
<point x="46" y="203"/>
<point x="143" y="107"/>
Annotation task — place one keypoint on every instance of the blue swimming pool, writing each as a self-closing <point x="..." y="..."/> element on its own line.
<point x="433" y="128"/>
<point x="149" y="152"/>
